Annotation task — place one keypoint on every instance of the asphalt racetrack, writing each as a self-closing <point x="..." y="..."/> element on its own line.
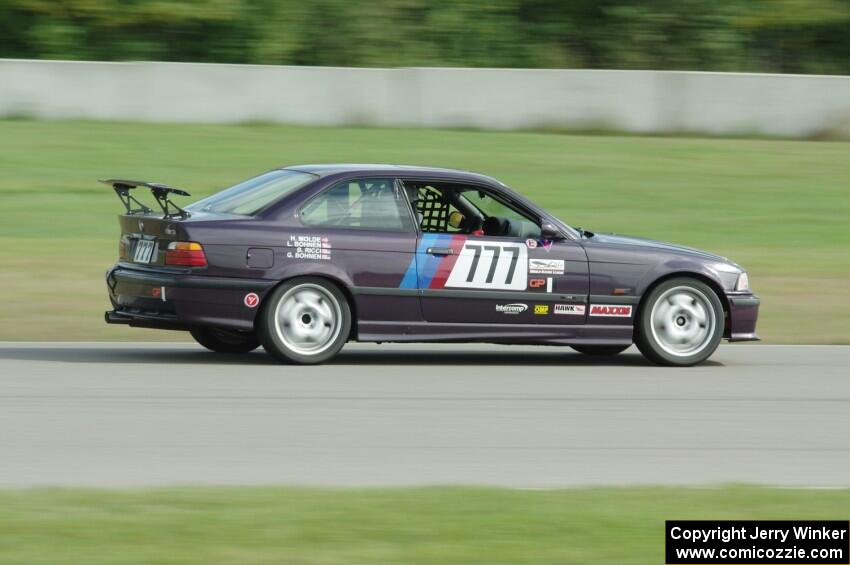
<point x="154" y="414"/>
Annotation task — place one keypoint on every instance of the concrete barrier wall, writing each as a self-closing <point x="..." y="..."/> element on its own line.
<point x="634" y="101"/>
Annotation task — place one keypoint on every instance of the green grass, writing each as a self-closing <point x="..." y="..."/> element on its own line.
<point x="780" y="208"/>
<point x="438" y="525"/>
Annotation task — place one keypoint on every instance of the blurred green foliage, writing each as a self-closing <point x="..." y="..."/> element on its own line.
<point x="792" y="36"/>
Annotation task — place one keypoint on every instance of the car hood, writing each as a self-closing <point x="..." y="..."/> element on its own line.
<point x="615" y="239"/>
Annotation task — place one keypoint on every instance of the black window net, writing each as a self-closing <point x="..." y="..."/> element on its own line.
<point x="434" y="210"/>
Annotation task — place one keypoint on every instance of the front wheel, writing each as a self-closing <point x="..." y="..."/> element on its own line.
<point x="305" y="320"/>
<point x="224" y="341"/>
<point x="681" y="323"/>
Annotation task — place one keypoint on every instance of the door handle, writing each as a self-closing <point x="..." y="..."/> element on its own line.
<point x="440" y="251"/>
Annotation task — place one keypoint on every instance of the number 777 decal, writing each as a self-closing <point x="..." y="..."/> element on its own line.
<point x="496" y="265"/>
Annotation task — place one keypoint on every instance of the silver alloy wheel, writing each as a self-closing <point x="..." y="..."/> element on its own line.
<point x="308" y="319"/>
<point x="682" y="321"/>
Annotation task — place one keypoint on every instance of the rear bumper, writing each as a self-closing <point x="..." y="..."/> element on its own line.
<point x="743" y="315"/>
<point x="171" y="300"/>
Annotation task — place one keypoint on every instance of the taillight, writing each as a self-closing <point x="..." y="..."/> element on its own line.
<point x="185" y="254"/>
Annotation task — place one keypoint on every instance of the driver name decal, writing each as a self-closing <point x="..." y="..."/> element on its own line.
<point x="310" y="247"/>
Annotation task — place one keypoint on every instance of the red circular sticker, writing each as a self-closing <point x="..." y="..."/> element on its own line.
<point x="251" y="300"/>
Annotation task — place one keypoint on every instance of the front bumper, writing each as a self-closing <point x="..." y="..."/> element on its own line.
<point x="743" y="315"/>
<point x="173" y="300"/>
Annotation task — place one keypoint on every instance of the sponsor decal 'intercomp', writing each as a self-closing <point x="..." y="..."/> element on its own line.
<point x="511" y="308"/>
<point x="574" y="309"/>
<point x="610" y="310"/>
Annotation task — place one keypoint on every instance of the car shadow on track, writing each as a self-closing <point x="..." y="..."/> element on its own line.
<point x="390" y="357"/>
<point x="132" y="355"/>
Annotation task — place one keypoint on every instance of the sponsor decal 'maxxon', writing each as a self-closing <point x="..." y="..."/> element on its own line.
<point x="610" y="310"/>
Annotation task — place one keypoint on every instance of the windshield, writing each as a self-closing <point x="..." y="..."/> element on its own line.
<point x="249" y="197"/>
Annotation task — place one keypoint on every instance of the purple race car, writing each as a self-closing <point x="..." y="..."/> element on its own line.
<point x="303" y="259"/>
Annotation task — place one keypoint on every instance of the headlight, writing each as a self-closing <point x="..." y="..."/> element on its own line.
<point x="743" y="282"/>
<point x="730" y="275"/>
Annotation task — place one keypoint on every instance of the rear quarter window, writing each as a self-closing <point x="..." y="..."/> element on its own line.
<point x="374" y="204"/>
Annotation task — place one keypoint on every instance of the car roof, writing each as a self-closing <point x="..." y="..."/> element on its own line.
<point x="328" y="169"/>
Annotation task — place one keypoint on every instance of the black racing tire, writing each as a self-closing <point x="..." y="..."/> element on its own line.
<point x="225" y="341"/>
<point x="680" y="323"/>
<point x="600" y="350"/>
<point x="305" y="320"/>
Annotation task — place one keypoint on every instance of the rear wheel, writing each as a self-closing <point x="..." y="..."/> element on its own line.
<point x="600" y="350"/>
<point x="305" y="320"/>
<point x="681" y="323"/>
<point x="225" y="341"/>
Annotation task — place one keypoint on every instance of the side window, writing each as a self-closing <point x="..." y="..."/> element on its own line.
<point x="465" y="209"/>
<point x="489" y="206"/>
<point x="359" y="204"/>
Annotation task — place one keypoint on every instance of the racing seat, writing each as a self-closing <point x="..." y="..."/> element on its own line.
<point x="434" y="211"/>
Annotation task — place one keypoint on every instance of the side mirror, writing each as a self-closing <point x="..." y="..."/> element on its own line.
<point x="549" y="231"/>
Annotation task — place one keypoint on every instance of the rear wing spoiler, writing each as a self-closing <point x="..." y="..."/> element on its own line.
<point x="161" y="192"/>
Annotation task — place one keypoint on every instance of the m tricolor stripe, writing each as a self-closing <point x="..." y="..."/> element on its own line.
<point x="445" y="266"/>
<point x="433" y="270"/>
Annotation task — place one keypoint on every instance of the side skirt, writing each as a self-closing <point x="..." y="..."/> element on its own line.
<point x="513" y="333"/>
